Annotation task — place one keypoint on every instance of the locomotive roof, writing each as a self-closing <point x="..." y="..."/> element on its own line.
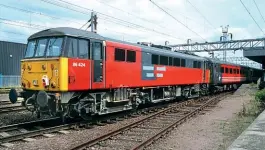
<point x="67" y="31"/>
<point x="63" y="31"/>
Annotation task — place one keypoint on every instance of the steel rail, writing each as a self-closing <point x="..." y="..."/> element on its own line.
<point x="129" y="126"/>
<point x="11" y="109"/>
<point x="54" y="124"/>
<point x="4" y="102"/>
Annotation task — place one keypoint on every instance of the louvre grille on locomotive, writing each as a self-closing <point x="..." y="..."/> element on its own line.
<point x="76" y="73"/>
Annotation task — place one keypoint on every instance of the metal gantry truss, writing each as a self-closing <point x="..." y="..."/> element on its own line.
<point x="220" y="46"/>
<point x="232" y="45"/>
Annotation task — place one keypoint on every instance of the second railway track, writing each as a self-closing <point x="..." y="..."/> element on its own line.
<point x="4" y="102"/>
<point x="10" y="108"/>
<point x="26" y="130"/>
<point x="142" y="133"/>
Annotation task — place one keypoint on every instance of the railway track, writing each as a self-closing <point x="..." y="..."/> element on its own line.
<point x="142" y="133"/>
<point x="28" y="130"/>
<point x="4" y="102"/>
<point x="24" y="131"/>
<point x="8" y="108"/>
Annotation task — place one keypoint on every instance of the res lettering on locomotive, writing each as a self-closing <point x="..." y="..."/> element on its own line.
<point x="76" y="73"/>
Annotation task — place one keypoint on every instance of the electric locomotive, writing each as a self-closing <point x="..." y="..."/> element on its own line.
<point x="76" y="73"/>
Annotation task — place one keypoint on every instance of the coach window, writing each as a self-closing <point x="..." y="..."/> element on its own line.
<point x="231" y="71"/>
<point x="72" y="48"/>
<point x="170" y="61"/>
<point x="199" y="65"/>
<point x="131" y="56"/>
<point x="226" y="70"/>
<point x="155" y="60"/>
<point x="222" y="69"/>
<point x="83" y="49"/>
<point x="234" y="71"/>
<point x="183" y="62"/>
<point x="176" y="62"/>
<point x="119" y="54"/>
<point x="163" y="60"/>
<point x="194" y="64"/>
<point x="237" y="71"/>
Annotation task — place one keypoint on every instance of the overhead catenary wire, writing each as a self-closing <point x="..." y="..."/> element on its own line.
<point x="177" y="20"/>
<point x="139" y="17"/>
<point x="127" y="22"/>
<point x="202" y="15"/>
<point x="13" y="23"/>
<point x="70" y="5"/>
<point x="36" y="26"/>
<point x="252" y="17"/>
<point x="20" y="24"/>
<point x="132" y="27"/>
<point x="259" y="11"/>
<point x="37" y="13"/>
<point x="32" y="26"/>
<point x="13" y="33"/>
<point x="85" y="24"/>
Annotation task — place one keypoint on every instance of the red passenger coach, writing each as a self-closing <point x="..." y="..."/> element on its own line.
<point x="231" y="74"/>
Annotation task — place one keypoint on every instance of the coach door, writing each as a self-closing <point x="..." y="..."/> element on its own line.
<point x="217" y="78"/>
<point x="204" y="71"/>
<point x="98" y="64"/>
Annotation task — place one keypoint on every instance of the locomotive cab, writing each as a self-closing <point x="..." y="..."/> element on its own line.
<point x="55" y="67"/>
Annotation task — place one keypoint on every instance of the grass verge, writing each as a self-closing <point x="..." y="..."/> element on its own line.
<point x="232" y="129"/>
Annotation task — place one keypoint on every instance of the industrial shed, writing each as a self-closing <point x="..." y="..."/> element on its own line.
<point x="10" y="56"/>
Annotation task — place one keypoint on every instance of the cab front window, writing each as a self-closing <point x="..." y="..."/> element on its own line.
<point x="44" y="47"/>
<point x="30" y="49"/>
<point x="41" y="46"/>
<point x="54" y="47"/>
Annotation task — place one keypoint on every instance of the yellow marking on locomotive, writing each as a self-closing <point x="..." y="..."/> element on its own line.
<point x="33" y="70"/>
<point x="63" y="74"/>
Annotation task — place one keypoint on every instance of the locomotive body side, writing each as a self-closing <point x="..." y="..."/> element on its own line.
<point x="143" y="73"/>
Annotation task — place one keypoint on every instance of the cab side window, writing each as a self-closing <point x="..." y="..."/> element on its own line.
<point x="97" y="51"/>
<point x="77" y="48"/>
<point x="72" y="48"/>
<point x="83" y="49"/>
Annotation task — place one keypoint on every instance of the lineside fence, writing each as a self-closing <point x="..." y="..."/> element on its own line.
<point x="9" y="81"/>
